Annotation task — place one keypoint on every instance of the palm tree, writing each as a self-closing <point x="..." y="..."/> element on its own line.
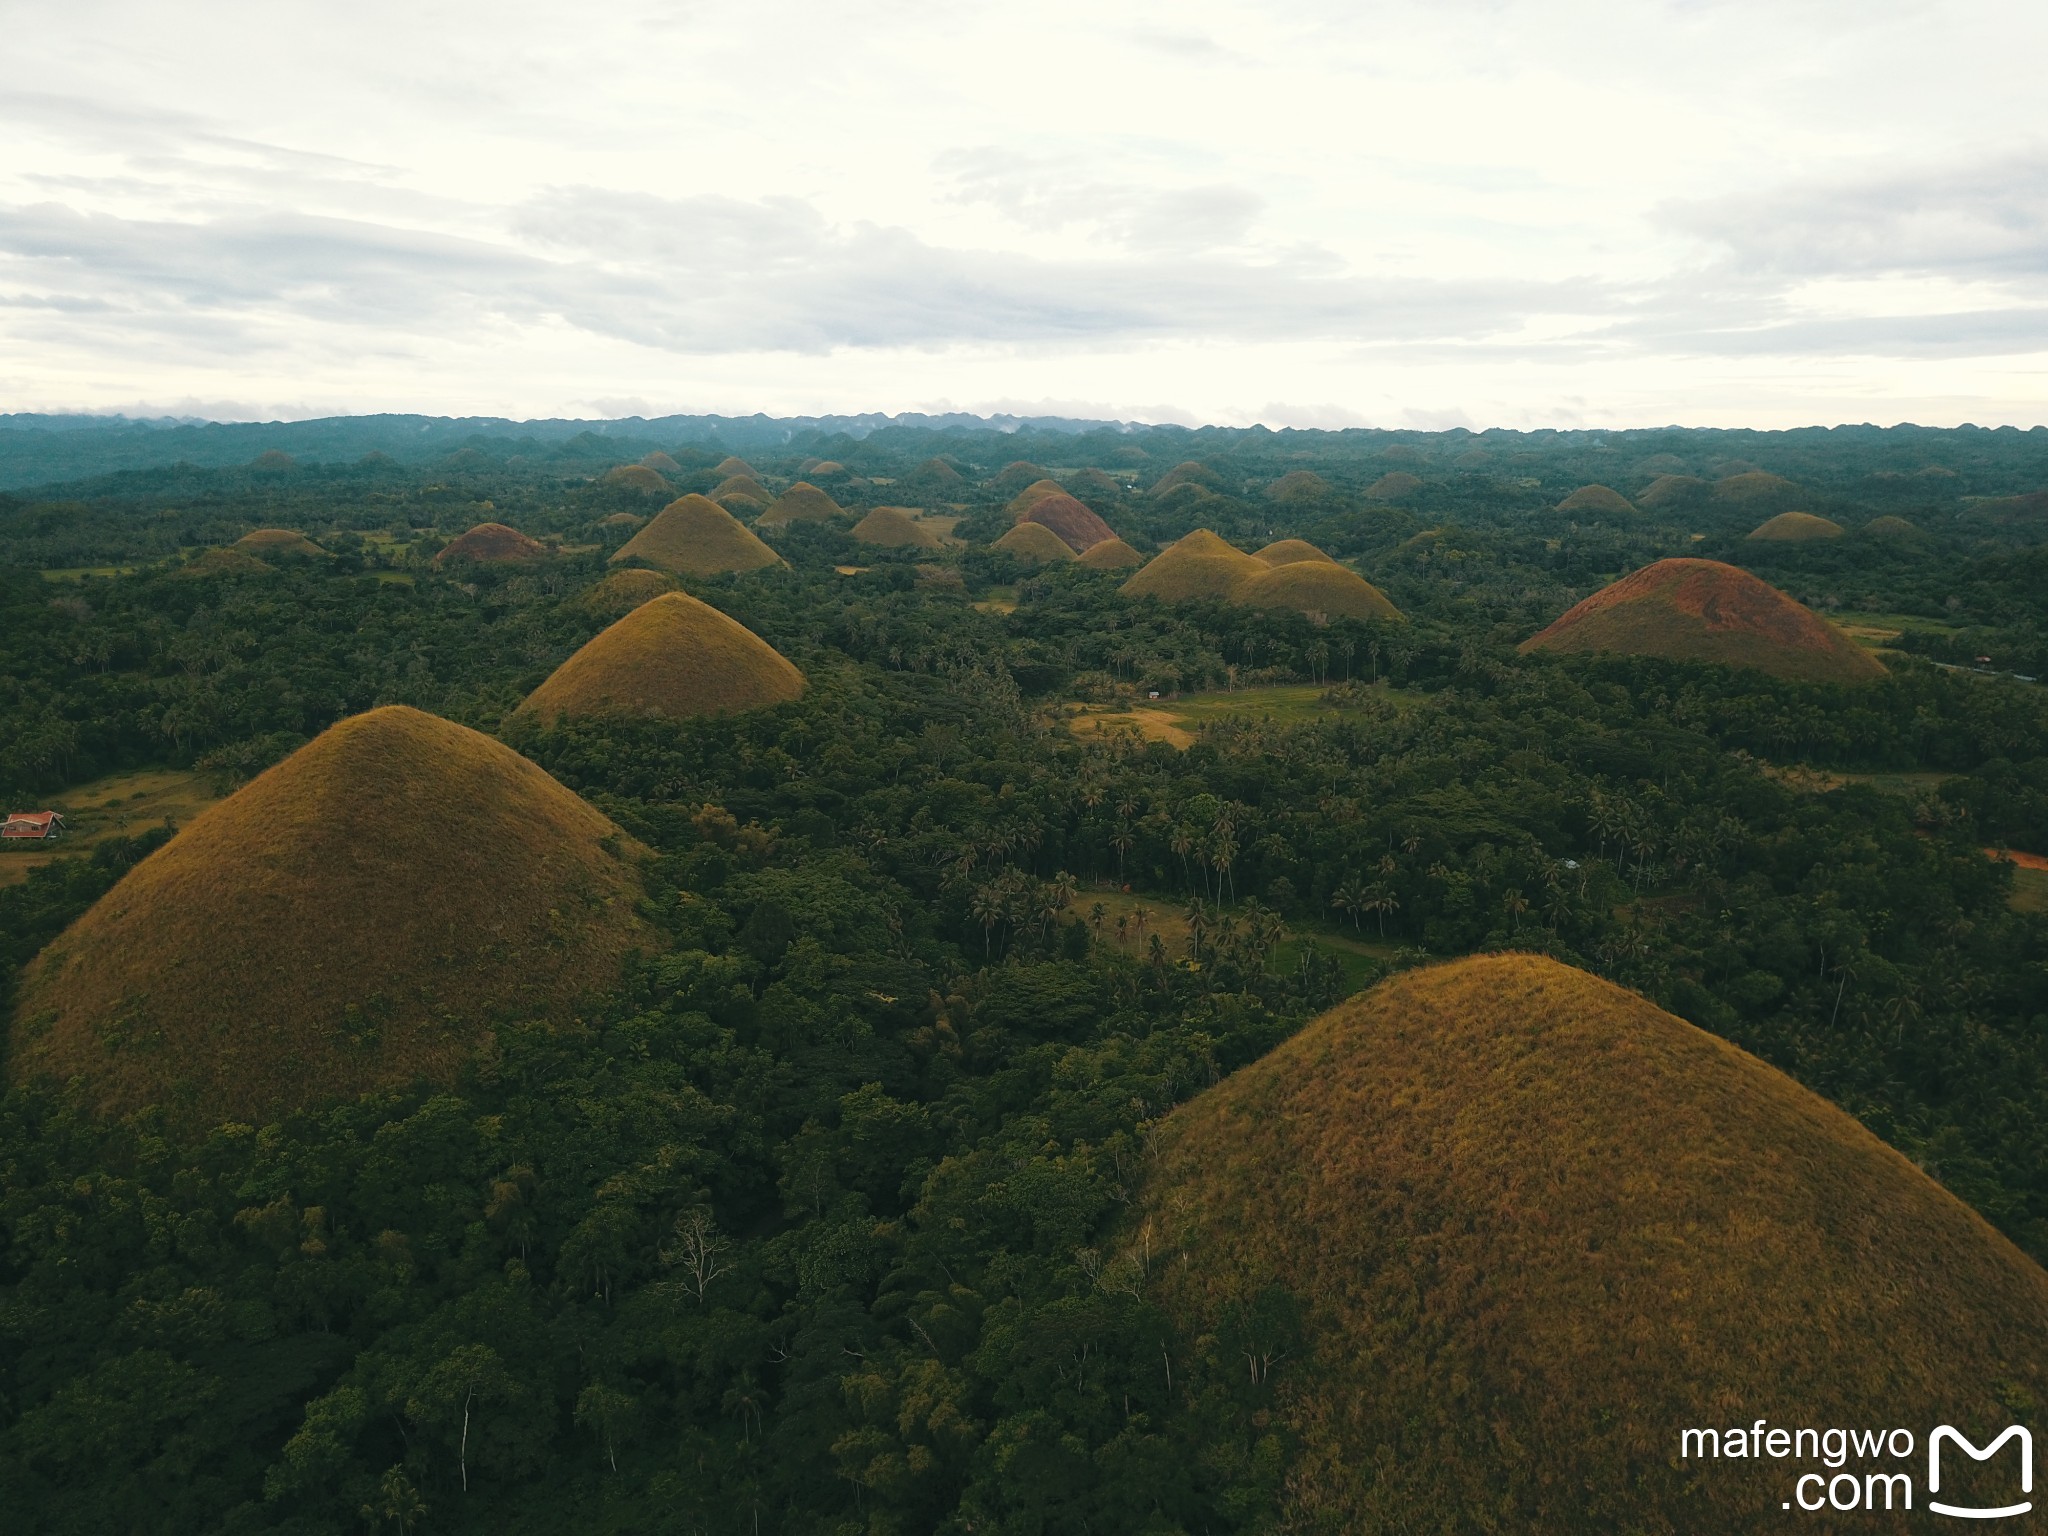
<point x="1516" y="904"/>
<point x="1381" y="900"/>
<point x="1349" y="898"/>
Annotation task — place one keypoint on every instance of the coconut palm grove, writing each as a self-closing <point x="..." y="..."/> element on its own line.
<point x="859" y="977"/>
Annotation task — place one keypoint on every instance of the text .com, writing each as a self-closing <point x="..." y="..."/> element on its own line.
<point x="1836" y="1485"/>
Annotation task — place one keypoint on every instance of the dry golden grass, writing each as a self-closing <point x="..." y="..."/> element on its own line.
<point x="743" y="485"/>
<point x="350" y="920"/>
<point x="1289" y="551"/>
<point x="120" y="805"/>
<point x="1321" y="589"/>
<point x="1073" y="522"/>
<point x="1188" y="473"/>
<point x="731" y="465"/>
<point x="1753" y="485"/>
<point x="829" y="469"/>
<point x="1535" y="1227"/>
<point x="278" y="544"/>
<point x="1797" y="527"/>
<point x="1889" y="528"/>
<point x="673" y="658"/>
<point x="697" y="536"/>
<point x="938" y="472"/>
<point x="1111" y="555"/>
<point x="1395" y="485"/>
<point x="1093" y="482"/>
<point x="1200" y="565"/>
<point x="637" y="477"/>
<point x="1013" y="477"/>
<point x="623" y="591"/>
<point x="894" y="528"/>
<point x="1034" y="541"/>
<point x="1667" y="490"/>
<point x="1597" y="499"/>
<point x="661" y="463"/>
<point x="1299" y="485"/>
<point x="1031" y="495"/>
<point x="224" y="562"/>
<point x="1702" y="610"/>
<point x="493" y="544"/>
<point x="801" y="503"/>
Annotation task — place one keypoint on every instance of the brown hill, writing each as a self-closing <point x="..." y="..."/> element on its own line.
<point x="1081" y="528"/>
<point x="894" y="528"/>
<point x="673" y="658"/>
<point x="1084" y="483"/>
<point x="623" y="591"/>
<point x="1322" y="589"/>
<point x="1597" y="499"/>
<point x="698" y="537"/>
<point x="1753" y="486"/>
<point x="1525" y="1228"/>
<point x="801" y="503"/>
<point x="1188" y="473"/>
<point x="1796" y="527"/>
<point x="938" y="474"/>
<point x="1395" y="485"/>
<point x="1288" y="551"/>
<point x="1888" y="528"/>
<point x="1670" y="490"/>
<point x="1728" y="469"/>
<point x="637" y="477"/>
<point x="829" y="469"/>
<point x="350" y="920"/>
<point x="748" y="508"/>
<point x="1013" y="477"/>
<point x="224" y="562"/>
<point x="493" y="544"/>
<point x="742" y="485"/>
<point x="1298" y="485"/>
<point x="1702" y="610"/>
<point x="1660" y="464"/>
<point x="732" y="465"/>
<point x="2032" y="507"/>
<point x="278" y="544"/>
<point x="1031" y="495"/>
<point x="1111" y="555"/>
<point x="1034" y="541"/>
<point x="661" y="463"/>
<point x="1200" y="565"/>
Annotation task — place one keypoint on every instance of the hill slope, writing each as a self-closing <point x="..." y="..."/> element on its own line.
<point x="1702" y="610"/>
<point x="1596" y="499"/>
<point x="1199" y="565"/>
<point x="1533" y="1227"/>
<point x="493" y="544"/>
<point x="1289" y="551"/>
<point x="1796" y="528"/>
<point x="894" y="528"/>
<point x="278" y="544"/>
<point x="694" y="534"/>
<point x="1319" y="588"/>
<point x="1110" y="555"/>
<point x="672" y="657"/>
<point x="1070" y="519"/>
<point x="1034" y="541"/>
<point x="801" y="503"/>
<point x="347" y="921"/>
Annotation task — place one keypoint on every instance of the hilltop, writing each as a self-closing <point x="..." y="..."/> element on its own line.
<point x="801" y="503"/>
<point x="624" y="590"/>
<point x="1319" y="588"/>
<point x="638" y="477"/>
<point x="493" y="544"/>
<point x="278" y="544"/>
<point x="1702" y="610"/>
<point x="1200" y="565"/>
<point x="1796" y="527"/>
<point x="1597" y="499"/>
<point x="672" y="657"/>
<point x="1499" y="1230"/>
<point x="1068" y="518"/>
<point x="895" y="528"/>
<point x="1111" y="554"/>
<point x="1298" y="485"/>
<point x="698" y="537"/>
<point x="1395" y="485"/>
<point x="1668" y="490"/>
<point x="1289" y="551"/>
<point x="1188" y="473"/>
<point x="1034" y="541"/>
<point x="1036" y="491"/>
<point x="350" y="920"/>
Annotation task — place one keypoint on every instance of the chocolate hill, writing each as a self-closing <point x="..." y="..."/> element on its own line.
<point x="493" y="544"/>
<point x="1035" y="492"/>
<point x="278" y="544"/>
<point x="672" y="658"/>
<point x="1298" y="485"/>
<point x="1034" y="541"/>
<point x="1015" y="476"/>
<point x="1109" y="555"/>
<point x="1889" y="527"/>
<point x="1322" y="589"/>
<point x="1200" y="565"/>
<point x="223" y="562"/>
<point x="623" y="591"/>
<point x="1395" y="485"/>
<point x="1669" y="490"/>
<point x="1068" y="518"/>
<point x="732" y="465"/>
<point x="1093" y="482"/>
<point x="742" y="485"/>
<point x="1289" y="551"/>
<point x="661" y="463"/>
<point x="1499" y="1231"/>
<point x="1702" y="610"/>
<point x="1188" y="473"/>
<point x="939" y="475"/>
<point x="1597" y="499"/>
<point x="1796" y="528"/>
<point x="350" y="920"/>
<point x="801" y="503"/>
<point x="698" y="537"/>
<point x="1752" y="486"/>
<point x="622" y="520"/>
<point x="895" y="528"/>
<point x="637" y="477"/>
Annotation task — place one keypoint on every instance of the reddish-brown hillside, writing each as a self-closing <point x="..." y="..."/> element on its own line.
<point x="493" y="544"/>
<point x="1702" y="610"/>
<point x="1081" y="528"/>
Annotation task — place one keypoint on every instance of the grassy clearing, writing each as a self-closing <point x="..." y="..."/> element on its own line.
<point x="1821" y="780"/>
<point x="2030" y="890"/>
<point x="999" y="600"/>
<point x="80" y="572"/>
<point x="119" y="805"/>
<point x="1178" y="721"/>
<point x="1362" y="956"/>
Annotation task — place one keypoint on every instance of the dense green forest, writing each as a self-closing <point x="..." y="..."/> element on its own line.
<point x="809" y="1228"/>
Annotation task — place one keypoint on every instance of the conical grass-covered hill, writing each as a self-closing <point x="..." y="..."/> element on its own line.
<point x="223" y="562"/>
<point x="1016" y="475"/>
<point x="895" y="528"/>
<point x="1291" y="551"/>
<point x="493" y="544"/>
<point x="1200" y="565"/>
<point x="1889" y="527"/>
<point x="1753" y="487"/>
<point x="1702" y="610"/>
<point x="801" y="503"/>
<point x="623" y="591"/>
<point x="1597" y="500"/>
<point x="1322" y="589"/>
<point x="698" y="537"/>
<point x="1071" y="520"/>
<point x="1394" y="485"/>
<point x="1497" y="1232"/>
<point x="661" y="463"/>
<point x="279" y="544"/>
<point x="672" y="658"/>
<point x="1035" y="542"/>
<point x="1671" y="490"/>
<point x="638" y="477"/>
<point x="1298" y="485"/>
<point x="350" y="920"/>
<point x="1109" y="555"/>
<point x="733" y="464"/>
<point x="1796" y="528"/>
<point x="743" y="485"/>
<point x="1031" y="495"/>
<point x="1188" y="473"/>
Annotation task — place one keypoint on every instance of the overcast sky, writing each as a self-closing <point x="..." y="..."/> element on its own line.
<point x="1474" y="212"/>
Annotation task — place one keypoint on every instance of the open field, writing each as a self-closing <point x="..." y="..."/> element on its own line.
<point x="80" y="572"/>
<point x="119" y="805"/>
<point x="1177" y="721"/>
<point x="1362" y="956"/>
<point x="1889" y="782"/>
